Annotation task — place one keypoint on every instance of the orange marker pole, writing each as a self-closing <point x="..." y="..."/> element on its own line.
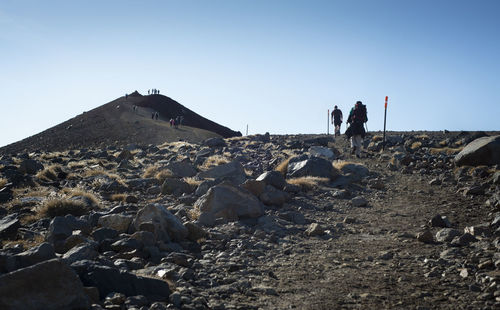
<point x="385" y="117"/>
<point x="328" y="122"/>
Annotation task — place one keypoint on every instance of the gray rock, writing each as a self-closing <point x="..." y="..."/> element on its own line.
<point x="204" y="187"/>
<point x="255" y="187"/>
<point x="166" y="225"/>
<point x="315" y="229"/>
<point x="320" y="151"/>
<point x="46" y="285"/>
<point x="227" y="202"/>
<point x="357" y="171"/>
<point x="233" y="172"/>
<point x="9" y="226"/>
<point x="214" y="142"/>
<point x="481" y="230"/>
<point x="80" y="252"/>
<point x="104" y="233"/>
<point x="40" y="253"/>
<point x="127" y="245"/>
<point x="273" y="178"/>
<point x="440" y="221"/>
<point x="118" y="222"/>
<point x="425" y="236"/>
<point x="447" y="234"/>
<point x="6" y="194"/>
<point x="359" y="201"/>
<point x="273" y="196"/>
<point x="30" y="166"/>
<point x="182" y="169"/>
<point x="61" y="228"/>
<point x="482" y="151"/>
<point x="314" y="166"/>
<point x="176" y="187"/>
<point x="111" y="280"/>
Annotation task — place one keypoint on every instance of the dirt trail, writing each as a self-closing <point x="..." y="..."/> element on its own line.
<point x="371" y="258"/>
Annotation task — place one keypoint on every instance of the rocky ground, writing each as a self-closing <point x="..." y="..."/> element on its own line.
<point x="258" y="222"/>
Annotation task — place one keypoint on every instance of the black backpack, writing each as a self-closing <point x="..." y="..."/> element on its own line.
<point x="360" y="114"/>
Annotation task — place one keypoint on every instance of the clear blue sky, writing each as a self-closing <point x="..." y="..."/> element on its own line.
<point x="277" y="66"/>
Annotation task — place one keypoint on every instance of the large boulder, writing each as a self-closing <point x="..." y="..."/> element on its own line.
<point x="233" y="172"/>
<point x="61" y="228"/>
<point x="175" y="187"/>
<point x="181" y="169"/>
<point x="9" y="226"/>
<point x="40" y="253"/>
<point x="227" y="202"/>
<point x="321" y="151"/>
<point x="118" y="222"/>
<point x="47" y="285"/>
<point x="111" y="280"/>
<point x="30" y="166"/>
<point x="166" y="225"/>
<point x="482" y="151"/>
<point x="273" y="178"/>
<point x="314" y="167"/>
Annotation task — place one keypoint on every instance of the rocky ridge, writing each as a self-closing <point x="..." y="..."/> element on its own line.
<point x="256" y="222"/>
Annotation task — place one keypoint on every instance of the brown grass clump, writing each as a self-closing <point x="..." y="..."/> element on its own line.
<point x="416" y="145"/>
<point x="308" y="183"/>
<point x="3" y="181"/>
<point x="118" y="197"/>
<point x="214" y="160"/>
<point x="423" y="137"/>
<point x="150" y="171"/>
<point x="377" y="138"/>
<point x="26" y="243"/>
<point x="75" y="192"/>
<point x="62" y="207"/>
<point x="446" y="150"/>
<point x="50" y="173"/>
<point x="192" y="181"/>
<point x="283" y="166"/>
<point x="164" y="174"/>
<point x="339" y="164"/>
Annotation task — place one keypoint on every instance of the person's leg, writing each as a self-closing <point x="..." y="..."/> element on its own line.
<point x="358" y="143"/>
<point x="353" y="144"/>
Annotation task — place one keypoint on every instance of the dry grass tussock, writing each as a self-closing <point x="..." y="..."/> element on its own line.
<point x="283" y="166"/>
<point x="215" y="160"/>
<point x="416" y="145"/>
<point x="52" y="155"/>
<point x="377" y="138"/>
<point x="340" y="164"/>
<point x="308" y="183"/>
<point x="446" y="150"/>
<point x="3" y="181"/>
<point x="50" y="173"/>
<point x="85" y="163"/>
<point x="423" y="137"/>
<point x="61" y="207"/>
<point x="26" y="243"/>
<point x="192" y="181"/>
<point x="118" y="197"/>
<point x="76" y="192"/>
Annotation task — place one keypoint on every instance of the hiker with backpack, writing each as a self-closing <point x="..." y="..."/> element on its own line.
<point x="337" y="120"/>
<point x="356" y="131"/>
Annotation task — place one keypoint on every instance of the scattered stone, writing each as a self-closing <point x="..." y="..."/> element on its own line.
<point x="118" y="222"/>
<point x="425" y="236"/>
<point x="358" y="202"/>
<point x="166" y="225"/>
<point x="315" y="229"/>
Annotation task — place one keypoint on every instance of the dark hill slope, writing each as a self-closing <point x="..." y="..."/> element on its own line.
<point x="117" y="123"/>
<point x="169" y="108"/>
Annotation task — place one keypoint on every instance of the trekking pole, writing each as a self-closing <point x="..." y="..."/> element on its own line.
<point x="385" y="116"/>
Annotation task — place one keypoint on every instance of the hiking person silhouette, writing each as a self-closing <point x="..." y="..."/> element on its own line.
<point x="337" y="120"/>
<point x="356" y="131"/>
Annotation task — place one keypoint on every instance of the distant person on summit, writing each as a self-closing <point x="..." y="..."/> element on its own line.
<point x="337" y="120"/>
<point x="356" y="131"/>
